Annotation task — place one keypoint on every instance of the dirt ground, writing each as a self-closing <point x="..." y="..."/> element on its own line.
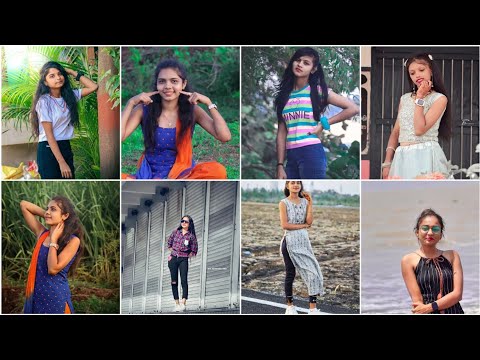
<point x="334" y="235"/>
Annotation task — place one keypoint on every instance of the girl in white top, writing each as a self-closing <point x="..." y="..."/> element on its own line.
<point x="53" y="115"/>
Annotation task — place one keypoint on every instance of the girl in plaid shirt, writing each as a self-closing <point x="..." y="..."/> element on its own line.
<point x="182" y="244"/>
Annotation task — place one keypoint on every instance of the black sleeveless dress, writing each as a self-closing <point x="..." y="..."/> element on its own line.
<point x="435" y="276"/>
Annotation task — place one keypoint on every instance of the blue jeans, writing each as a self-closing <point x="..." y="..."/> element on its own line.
<point x="307" y="162"/>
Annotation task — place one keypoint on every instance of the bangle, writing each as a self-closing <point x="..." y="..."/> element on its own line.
<point x="53" y="245"/>
<point x="386" y="164"/>
<point x="280" y="164"/>
<point x="79" y="75"/>
<point x="390" y="147"/>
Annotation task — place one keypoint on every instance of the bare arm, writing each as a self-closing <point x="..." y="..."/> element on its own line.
<point x="132" y="114"/>
<point x="349" y="107"/>
<point x="214" y="125"/>
<point x="56" y="262"/>
<point x="423" y="122"/>
<point x="281" y="148"/>
<point x="30" y="212"/>
<point x="309" y="217"/>
<point x="408" y="273"/>
<point x="52" y="142"/>
<point x="89" y="85"/>
<point x="392" y="144"/>
<point x="284" y="220"/>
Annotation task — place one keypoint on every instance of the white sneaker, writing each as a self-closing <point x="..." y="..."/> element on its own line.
<point x="182" y="307"/>
<point x="176" y="308"/>
<point x="313" y="312"/>
<point x="291" y="310"/>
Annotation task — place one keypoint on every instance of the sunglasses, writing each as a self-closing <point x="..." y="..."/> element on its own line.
<point x="186" y="221"/>
<point x="435" y="229"/>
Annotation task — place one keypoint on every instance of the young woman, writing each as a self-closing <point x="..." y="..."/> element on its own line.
<point x="423" y="116"/>
<point x="57" y="251"/>
<point x="434" y="278"/>
<point x="168" y="116"/>
<point x="296" y="216"/>
<point x="54" y="115"/>
<point x="182" y="244"/>
<point x="300" y="102"/>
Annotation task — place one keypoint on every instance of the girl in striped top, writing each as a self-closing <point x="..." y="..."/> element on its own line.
<point x="300" y="101"/>
<point x="434" y="278"/>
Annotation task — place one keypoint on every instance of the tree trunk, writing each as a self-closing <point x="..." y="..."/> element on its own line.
<point x="108" y="122"/>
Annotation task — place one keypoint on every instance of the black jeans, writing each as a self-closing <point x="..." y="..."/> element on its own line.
<point x="289" y="271"/>
<point x="48" y="166"/>
<point x="176" y="264"/>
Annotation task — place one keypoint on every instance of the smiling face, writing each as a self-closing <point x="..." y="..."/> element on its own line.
<point x="54" y="78"/>
<point x="169" y="84"/>
<point x="53" y="214"/>
<point x="303" y="66"/>
<point x="419" y="71"/>
<point x="294" y="186"/>
<point x="429" y="231"/>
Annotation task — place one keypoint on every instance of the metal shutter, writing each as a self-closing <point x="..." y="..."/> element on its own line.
<point x="220" y="244"/>
<point x="195" y="207"/>
<point x="127" y="273"/>
<point x="155" y="257"/>
<point x="140" y="262"/>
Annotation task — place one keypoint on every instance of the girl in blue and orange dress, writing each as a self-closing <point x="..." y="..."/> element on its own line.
<point x="168" y="116"/>
<point x="57" y="251"/>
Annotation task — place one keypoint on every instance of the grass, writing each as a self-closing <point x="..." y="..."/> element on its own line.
<point x="205" y="148"/>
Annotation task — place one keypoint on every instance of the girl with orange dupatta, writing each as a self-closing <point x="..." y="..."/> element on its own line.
<point x="57" y="251"/>
<point x="168" y="117"/>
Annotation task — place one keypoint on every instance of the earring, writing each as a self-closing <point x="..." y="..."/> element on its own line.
<point x="413" y="90"/>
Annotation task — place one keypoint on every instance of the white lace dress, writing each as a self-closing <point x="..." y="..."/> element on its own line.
<point x="425" y="158"/>
<point x="300" y="250"/>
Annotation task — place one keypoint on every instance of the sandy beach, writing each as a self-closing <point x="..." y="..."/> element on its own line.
<point x="335" y="240"/>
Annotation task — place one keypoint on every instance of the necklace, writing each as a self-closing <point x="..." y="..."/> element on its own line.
<point x="169" y="121"/>
<point x="61" y="104"/>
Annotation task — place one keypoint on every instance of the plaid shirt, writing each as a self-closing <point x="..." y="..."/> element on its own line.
<point x="176" y="242"/>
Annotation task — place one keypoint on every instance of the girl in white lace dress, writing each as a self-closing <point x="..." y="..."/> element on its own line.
<point x="423" y="117"/>
<point x="296" y="215"/>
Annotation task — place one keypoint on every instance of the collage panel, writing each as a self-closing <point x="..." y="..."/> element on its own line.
<point x="60" y="247"/>
<point x="420" y="112"/>
<point x="60" y="112"/>
<point x="166" y="92"/>
<point x="300" y="112"/>
<point x="300" y="247"/>
<point x="180" y="247"/>
<point x="420" y="247"/>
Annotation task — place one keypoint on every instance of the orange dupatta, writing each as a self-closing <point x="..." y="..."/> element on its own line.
<point x="32" y="272"/>
<point x="182" y="168"/>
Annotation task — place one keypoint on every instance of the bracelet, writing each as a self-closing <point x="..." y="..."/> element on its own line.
<point x="279" y="164"/>
<point x="79" y="75"/>
<point x="384" y="165"/>
<point x="53" y="245"/>
<point x="390" y="147"/>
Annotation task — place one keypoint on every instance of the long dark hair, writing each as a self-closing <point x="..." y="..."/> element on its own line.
<point x="154" y="110"/>
<point x="191" y="225"/>
<point x="287" y="192"/>
<point x="72" y="226"/>
<point x="315" y="80"/>
<point x="445" y="128"/>
<point x="424" y="214"/>
<point x="66" y="92"/>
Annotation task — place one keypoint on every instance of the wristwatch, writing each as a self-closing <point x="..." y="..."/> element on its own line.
<point x="434" y="306"/>
<point x="420" y="102"/>
<point x="211" y="106"/>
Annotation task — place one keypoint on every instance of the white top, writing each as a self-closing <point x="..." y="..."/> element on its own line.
<point x="55" y="111"/>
